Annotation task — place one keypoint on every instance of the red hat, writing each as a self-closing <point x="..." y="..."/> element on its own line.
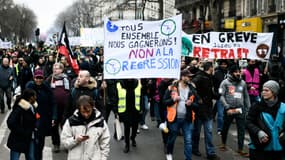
<point x="39" y="73"/>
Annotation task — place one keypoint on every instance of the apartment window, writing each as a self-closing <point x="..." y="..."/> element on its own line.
<point x="271" y="6"/>
<point x="232" y="11"/>
<point x="280" y="5"/>
<point x="247" y="8"/>
<point x="260" y="7"/>
<point x="253" y="10"/>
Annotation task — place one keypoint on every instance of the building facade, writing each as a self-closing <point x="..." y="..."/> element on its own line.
<point x="237" y="15"/>
<point x="132" y="9"/>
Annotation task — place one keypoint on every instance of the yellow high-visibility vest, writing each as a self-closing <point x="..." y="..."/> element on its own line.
<point x="17" y="69"/>
<point x="122" y="98"/>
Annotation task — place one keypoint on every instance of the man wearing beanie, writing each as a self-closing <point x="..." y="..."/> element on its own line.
<point x="265" y="122"/>
<point x="235" y="99"/>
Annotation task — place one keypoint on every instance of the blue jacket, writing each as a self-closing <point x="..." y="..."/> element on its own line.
<point x="272" y="119"/>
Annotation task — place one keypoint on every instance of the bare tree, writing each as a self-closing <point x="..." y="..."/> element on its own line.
<point x="17" y="23"/>
<point x="79" y="14"/>
<point x="27" y="24"/>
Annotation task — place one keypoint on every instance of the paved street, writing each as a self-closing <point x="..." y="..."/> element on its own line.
<point x="149" y="145"/>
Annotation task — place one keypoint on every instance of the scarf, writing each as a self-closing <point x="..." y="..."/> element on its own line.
<point x="271" y="103"/>
<point x="61" y="77"/>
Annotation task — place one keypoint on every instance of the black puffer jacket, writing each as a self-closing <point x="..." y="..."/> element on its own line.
<point x="204" y="87"/>
<point x="219" y="75"/>
<point x="112" y="97"/>
<point x="21" y="122"/>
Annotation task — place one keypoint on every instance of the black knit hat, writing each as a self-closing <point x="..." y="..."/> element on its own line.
<point x="84" y="66"/>
<point x="27" y="59"/>
<point x="234" y="68"/>
<point x="221" y="61"/>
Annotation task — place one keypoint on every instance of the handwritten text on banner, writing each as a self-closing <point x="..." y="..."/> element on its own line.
<point x="142" y="49"/>
<point x="227" y="45"/>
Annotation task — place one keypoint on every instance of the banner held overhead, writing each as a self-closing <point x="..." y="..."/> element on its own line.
<point x="142" y="49"/>
<point x="227" y="45"/>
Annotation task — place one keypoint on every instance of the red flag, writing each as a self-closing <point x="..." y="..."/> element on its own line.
<point x="66" y="51"/>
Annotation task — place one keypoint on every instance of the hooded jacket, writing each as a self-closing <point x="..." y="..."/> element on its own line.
<point x="96" y="147"/>
<point x="234" y="94"/>
<point x="77" y="91"/>
<point x="22" y="123"/>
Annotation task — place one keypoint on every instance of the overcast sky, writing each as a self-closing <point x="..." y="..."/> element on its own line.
<point x="46" y="10"/>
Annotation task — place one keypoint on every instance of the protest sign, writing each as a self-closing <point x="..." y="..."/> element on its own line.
<point x="6" y="45"/>
<point x="74" y="41"/>
<point x="142" y="49"/>
<point x="91" y="37"/>
<point x="227" y="45"/>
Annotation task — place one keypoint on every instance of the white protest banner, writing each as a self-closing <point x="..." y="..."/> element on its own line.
<point x="74" y="41"/>
<point x="227" y="45"/>
<point x="91" y="37"/>
<point x="142" y="49"/>
<point x="6" y="45"/>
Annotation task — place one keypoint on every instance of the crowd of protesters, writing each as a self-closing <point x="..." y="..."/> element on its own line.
<point x="51" y="97"/>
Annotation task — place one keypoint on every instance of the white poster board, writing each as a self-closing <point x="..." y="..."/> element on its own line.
<point x="227" y="45"/>
<point x="6" y="45"/>
<point x="74" y="41"/>
<point x="91" y="37"/>
<point x="142" y="49"/>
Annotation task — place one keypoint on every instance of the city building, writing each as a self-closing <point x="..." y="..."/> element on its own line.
<point x="236" y="15"/>
<point x="132" y="9"/>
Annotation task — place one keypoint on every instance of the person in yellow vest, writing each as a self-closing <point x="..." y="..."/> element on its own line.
<point x="129" y="109"/>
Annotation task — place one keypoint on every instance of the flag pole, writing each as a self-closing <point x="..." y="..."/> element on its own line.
<point x="104" y="90"/>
